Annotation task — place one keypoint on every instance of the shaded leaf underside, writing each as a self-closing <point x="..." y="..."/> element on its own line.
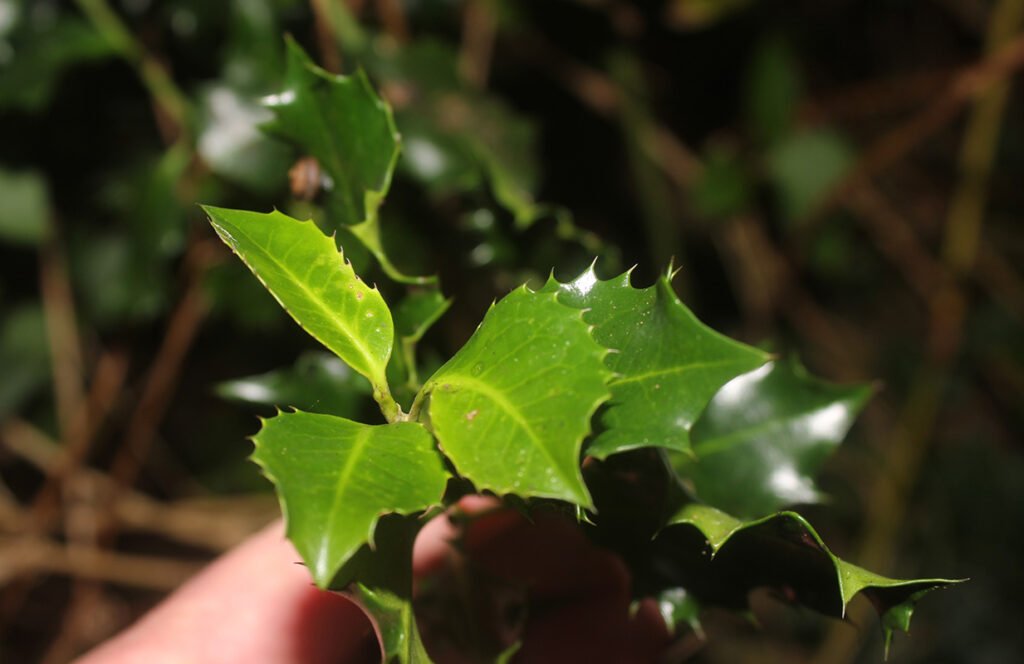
<point x="725" y="558"/>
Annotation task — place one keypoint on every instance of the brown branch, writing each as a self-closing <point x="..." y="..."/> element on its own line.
<point x="163" y="373"/>
<point x="33" y="555"/>
<point x="479" y="27"/>
<point x="899" y="141"/>
<point x="61" y="331"/>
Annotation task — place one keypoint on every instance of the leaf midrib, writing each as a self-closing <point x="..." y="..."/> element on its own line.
<point x="353" y="339"/>
<point x="352" y="457"/>
<point x="681" y="368"/>
<point x="500" y="398"/>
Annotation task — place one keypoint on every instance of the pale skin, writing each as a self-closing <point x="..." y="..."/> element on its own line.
<point x="257" y="605"/>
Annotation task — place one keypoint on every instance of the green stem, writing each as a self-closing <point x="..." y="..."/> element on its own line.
<point x="161" y="87"/>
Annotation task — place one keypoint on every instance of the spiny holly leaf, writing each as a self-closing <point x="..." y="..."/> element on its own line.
<point x="512" y="407"/>
<point x="307" y="274"/>
<point x="668" y="364"/>
<point x="335" y="478"/>
<point x="318" y="382"/>
<point x="764" y="437"/>
<point x="379" y="579"/>
<point x="721" y="559"/>
<point x="342" y="122"/>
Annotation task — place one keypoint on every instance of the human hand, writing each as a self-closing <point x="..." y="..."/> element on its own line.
<point x="257" y="605"/>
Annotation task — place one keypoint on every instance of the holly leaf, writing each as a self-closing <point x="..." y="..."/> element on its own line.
<point x="349" y="129"/>
<point x="341" y="122"/>
<point x="335" y="477"/>
<point x="721" y="558"/>
<point x="309" y="276"/>
<point x="667" y="363"/>
<point x="512" y="407"/>
<point x="765" y="435"/>
<point x="318" y="383"/>
<point x="379" y="579"/>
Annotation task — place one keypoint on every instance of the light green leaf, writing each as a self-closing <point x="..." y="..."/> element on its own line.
<point x="318" y="383"/>
<point x="764" y="437"/>
<point x="783" y="550"/>
<point x="307" y="274"/>
<point x="335" y="478"/>
<point x="667" y="363"/>
<point x="25" y="207"/>
<point x="341" y="122"/>
<point x="512" y="407"/>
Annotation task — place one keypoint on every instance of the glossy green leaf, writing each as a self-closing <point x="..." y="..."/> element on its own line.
<point x="317" y="383"/>
<point x="765" y="435"/>
<point x="667" y="363"/>
<point x="512" y="407"/>
<point x="25" y="207"/>
<point x="335" y="477"/>
<point x="341" y="122"/>
<point x="728" y="557"/>
<point x="307" y="274"/>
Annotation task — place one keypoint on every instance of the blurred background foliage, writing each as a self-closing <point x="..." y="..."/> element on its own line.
<point x="838" y="181"/>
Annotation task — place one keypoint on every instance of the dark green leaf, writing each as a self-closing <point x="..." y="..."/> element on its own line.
<point x="318" y="383"/>
<point x="341" y="122"/>
<point x="764" y="437"/>
<point x="335" y="478"/>
<point x="512" y="407"/>
<point x="311" y="279"/>
<point x="727" y="557"/>
<point x="667" y="364"/>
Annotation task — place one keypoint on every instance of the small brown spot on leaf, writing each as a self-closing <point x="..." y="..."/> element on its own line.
<point x="471" y="415"/>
